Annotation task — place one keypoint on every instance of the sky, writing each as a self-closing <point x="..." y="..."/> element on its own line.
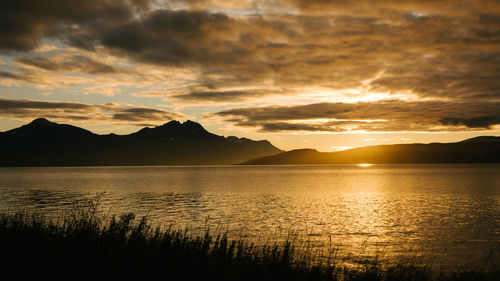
<point x="324" y="74"/>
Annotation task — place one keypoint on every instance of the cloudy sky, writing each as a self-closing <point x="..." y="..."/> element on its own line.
<point x="326" y="74"/>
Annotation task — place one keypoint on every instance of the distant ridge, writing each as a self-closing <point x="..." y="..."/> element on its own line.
<point x="484" y="149"/>
<point x="46" y="143"/>
<point x="483" y="139"/>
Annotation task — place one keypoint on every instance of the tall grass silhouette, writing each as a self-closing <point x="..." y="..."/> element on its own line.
<point x="88" y="244"/>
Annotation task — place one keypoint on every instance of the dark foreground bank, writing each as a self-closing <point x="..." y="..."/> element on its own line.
<point x="86" y="245"/>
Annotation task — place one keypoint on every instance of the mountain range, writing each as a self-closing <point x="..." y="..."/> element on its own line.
<point x="45" y="143"/>
<point x="485" y="149"/>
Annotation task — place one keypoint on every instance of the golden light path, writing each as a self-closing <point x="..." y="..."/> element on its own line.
<point x="365" y="165"/>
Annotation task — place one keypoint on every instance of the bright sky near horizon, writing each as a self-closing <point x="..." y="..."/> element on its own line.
<point x="325" y="74"/>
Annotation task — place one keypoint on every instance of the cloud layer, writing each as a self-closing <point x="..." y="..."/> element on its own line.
<point x="437" y="61"/>
<point x="390" y="115"/>
<point x="73" y="112"/>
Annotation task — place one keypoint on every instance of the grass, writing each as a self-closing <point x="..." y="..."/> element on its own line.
<point x="86" y="244"/>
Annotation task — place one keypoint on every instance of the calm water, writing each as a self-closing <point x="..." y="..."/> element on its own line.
<point x="446" y="214"/>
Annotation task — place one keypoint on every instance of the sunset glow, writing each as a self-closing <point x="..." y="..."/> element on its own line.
<point x="289" y="71"/>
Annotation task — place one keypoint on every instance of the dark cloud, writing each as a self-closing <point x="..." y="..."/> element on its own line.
<point x="13" y="105"/>
<point x="178" y="37"/>
<point x="476" y="122"/>
<point x="332" y="126"/>
<point x="455" y="76"/>
<point x="76" y="63"/>
<point x="238" y="51"/>
<point x="36" y="78"/>
<point x="10" y="75"/>
<point x="224" y="96"/>
<point x="71" y="111"/>
<point x="223" y="47"/>
<point x="141" y="114"/>
<point x="24" y="23"/>
<point x="368" y="6"/>
<point x="391" y="115"/>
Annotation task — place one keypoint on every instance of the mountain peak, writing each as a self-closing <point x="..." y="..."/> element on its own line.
<point x="193" y="126"/>
<point x="175" y="123"/>
<point x="41" y="122"/>
<point x="41" y="127"/>
<point x="175" y="128"/>
<point x="172" y="123"/>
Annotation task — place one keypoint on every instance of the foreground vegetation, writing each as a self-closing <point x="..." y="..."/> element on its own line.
<point x="84" y="244"/>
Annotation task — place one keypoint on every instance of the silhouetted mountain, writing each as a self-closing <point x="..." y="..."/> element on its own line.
<point x="43" y="128"/>
<point x="483" y="139"/>
<point x="45" y="143"/>
<point x="175" y="129"/>
<point x="475" y="150"/>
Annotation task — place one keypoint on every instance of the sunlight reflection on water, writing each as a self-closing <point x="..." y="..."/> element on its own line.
<point x="446" y="213"/>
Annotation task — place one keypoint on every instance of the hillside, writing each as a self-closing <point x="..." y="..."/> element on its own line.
<point x="476" y="150"/>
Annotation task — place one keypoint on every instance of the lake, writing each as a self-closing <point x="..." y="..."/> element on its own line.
<point x="446" y="215"/>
